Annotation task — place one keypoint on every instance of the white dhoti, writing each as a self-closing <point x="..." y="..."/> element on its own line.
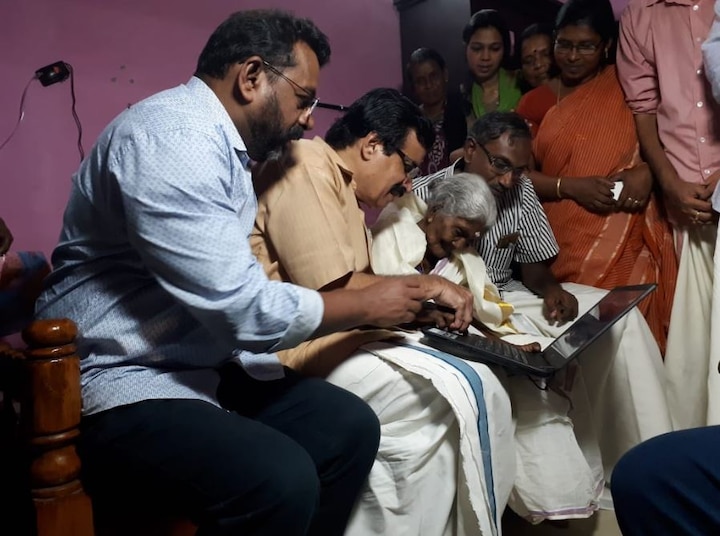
<point x="569" y="438"/>
<point x="693" y="390"/>
<point x="446" y="462"/>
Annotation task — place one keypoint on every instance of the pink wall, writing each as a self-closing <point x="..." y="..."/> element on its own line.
<point x="125" y="51"/>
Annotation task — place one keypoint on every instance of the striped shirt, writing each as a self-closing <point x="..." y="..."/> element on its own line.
<point x="521" y="234"/>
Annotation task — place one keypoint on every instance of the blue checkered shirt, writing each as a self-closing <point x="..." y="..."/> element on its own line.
<point x="154" y="264"/>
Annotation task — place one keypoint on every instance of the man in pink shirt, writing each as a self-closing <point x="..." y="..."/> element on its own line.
<point x="660" y="66"/>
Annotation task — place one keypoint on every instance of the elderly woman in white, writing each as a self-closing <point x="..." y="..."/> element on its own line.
<point x="446" y="462"/>
<point x="557" y="453"/>
<point x="410" y="237"/>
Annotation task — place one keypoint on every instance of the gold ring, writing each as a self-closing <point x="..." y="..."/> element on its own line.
<point x="636" y="202"/>
<point x="631" y="199"/>
<point x="697" y="214"/>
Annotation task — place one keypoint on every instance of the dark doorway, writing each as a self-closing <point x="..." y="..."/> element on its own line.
<point x="438" y="24"/>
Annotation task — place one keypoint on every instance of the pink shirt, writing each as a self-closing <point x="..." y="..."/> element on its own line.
<point x="711" y="54"/>
<point x="660" y="66"/>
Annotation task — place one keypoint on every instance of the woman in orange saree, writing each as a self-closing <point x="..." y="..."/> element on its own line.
<point x="586" y="143"/>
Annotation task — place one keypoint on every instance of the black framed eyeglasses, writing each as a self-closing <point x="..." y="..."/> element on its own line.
<point x="583" y="49"/>
<point x="500" y="165"/>
<point x="412" y="170"/>
<point x="310" y="101"/>
<point x="313" y="102"/>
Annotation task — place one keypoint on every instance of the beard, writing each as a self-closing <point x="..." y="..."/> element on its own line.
<point x="268" y="137"/>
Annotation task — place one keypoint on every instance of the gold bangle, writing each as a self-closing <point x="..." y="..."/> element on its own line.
<point x="557" y="188"/>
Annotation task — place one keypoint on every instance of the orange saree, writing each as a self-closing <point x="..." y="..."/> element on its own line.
<point x="592" y="133"/>
<point x="535" y="104"/>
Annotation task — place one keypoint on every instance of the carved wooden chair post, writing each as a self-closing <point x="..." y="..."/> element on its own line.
<point x="38" y="446"/>
<point x="50" y="408"/>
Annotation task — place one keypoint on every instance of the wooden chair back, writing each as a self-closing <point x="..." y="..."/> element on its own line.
<point x="41" y="414"/>
<point x="39" y="426"/>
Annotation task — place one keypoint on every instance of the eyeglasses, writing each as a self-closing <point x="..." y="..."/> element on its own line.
<point x="583" y="49"/>
<point x="310" y="101"/>
<point x="500" y="165"/>
<point x="412" y="170"/>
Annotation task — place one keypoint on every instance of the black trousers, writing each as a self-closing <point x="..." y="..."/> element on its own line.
<point x="670" y="485"/>
<point x="289" y="458"/>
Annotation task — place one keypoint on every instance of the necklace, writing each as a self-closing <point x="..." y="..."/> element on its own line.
<point x="491" y="98"/>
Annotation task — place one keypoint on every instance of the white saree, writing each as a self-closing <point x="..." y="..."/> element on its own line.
<point x="568" y="435"/>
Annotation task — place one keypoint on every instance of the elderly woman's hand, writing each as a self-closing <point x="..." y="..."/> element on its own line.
<point x="435" y="317"/>
<point x="529" y="347"/>
<point x="6" y="238"/>
<point x="451" y="295"/>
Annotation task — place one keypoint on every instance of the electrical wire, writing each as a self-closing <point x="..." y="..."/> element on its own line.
<point x="22" y="112"/>
<point x="74" y="111"/>
<point x="21" y="115"/>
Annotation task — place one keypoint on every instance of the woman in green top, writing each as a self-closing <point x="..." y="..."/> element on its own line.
<point x="487" y="48"/>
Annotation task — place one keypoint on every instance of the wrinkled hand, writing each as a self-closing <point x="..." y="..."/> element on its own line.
<point x="637" y="185"/>
<point x="6" y="238"/>
<point x="393" y="301"/>
<point x="436" y="318"/>
<point x="691" y="201"/>
<point x="529" y="347"/>
<point x="447" y="293"/>
<point x="559" y="306"/>
<point x="592" y="193"/>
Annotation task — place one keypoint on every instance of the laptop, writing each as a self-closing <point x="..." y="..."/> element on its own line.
<point x="576" y="338"/>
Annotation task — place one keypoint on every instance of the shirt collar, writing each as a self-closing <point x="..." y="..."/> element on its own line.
<point x="335" y="158"/>
<point x="211" y="105"/>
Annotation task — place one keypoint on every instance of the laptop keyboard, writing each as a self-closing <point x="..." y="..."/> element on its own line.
<point x="497" y="347"/>
<point x="471" y="342"/>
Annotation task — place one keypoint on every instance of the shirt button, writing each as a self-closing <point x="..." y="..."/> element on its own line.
<point x="706" y="171"/>
<point x="699" y="71"/>
<point x="702" y="139"/>
<point x="696" y="7"/>
<point x="698" y="39"/>
<point x="699" y="104"/>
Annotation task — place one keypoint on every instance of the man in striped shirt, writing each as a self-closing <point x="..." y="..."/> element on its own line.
<point x="498" y="148"/>
<point x="622" y="372"/>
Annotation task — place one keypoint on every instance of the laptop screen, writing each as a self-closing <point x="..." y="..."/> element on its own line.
<point x="596" y="321"/>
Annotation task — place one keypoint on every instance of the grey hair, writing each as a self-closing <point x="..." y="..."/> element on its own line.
<point x="463" y="195"/>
